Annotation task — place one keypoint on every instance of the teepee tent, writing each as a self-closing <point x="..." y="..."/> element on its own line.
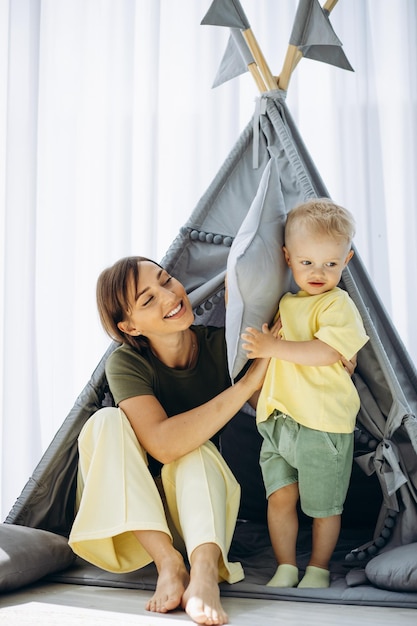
<point x="267" y="172"/>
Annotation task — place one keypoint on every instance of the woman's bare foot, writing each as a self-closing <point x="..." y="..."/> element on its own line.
<point x="173" y="576"/>
<point x="201" y="600"/>
<point x="173" y="579"/>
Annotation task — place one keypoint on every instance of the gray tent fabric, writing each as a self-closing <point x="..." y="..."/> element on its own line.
<point x="314" y="35"/>
<point x="381" y="511"/>
<point x="236" y="58"/>
<point x="226" y="13"/>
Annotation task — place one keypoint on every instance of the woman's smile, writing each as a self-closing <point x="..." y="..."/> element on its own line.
<point x="175" y="311"/>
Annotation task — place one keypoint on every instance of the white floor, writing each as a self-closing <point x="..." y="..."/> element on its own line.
<point x="75" y="605"/>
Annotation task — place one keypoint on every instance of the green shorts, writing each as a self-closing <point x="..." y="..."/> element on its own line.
<point x="320" y="462"/>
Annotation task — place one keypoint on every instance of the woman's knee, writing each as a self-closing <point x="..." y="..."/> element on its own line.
<point x="109" y="426"/>
<point x="203" y="466"/>
<point x="97" y="421"/>
<point x="202" y="458"/>
<point x="104" y="414"/>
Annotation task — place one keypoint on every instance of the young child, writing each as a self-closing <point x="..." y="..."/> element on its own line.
<point x="308" y="404"/>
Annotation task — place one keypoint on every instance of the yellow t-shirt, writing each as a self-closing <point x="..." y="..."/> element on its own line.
<point x="322" y="398"/>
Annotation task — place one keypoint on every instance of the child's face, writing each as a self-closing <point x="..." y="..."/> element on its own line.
<point x="316" y="260"/>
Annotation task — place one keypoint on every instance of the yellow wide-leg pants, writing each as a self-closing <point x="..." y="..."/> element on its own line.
<point x="116" y="495"/>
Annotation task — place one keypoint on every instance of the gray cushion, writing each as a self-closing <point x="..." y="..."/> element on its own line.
<point x="257" y="275"/>
<point x="28" y="554"/>
<point x="395" y="569"/>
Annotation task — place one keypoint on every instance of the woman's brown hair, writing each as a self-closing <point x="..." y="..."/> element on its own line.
<point x="113" y="301"/>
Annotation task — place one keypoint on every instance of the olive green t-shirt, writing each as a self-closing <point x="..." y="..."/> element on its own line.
<point x="132" y="374"/>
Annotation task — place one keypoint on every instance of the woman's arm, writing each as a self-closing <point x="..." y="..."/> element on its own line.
<point x="167" y="439"/>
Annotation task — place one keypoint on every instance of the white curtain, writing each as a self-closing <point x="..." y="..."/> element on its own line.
<point x="109" y="134"/>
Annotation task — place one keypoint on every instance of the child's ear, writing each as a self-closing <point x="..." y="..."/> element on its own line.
<point x="286" y="255"/>
<point x="349" y="256"/>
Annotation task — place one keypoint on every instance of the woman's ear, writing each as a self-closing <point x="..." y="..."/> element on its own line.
<point x="127" y="329"/>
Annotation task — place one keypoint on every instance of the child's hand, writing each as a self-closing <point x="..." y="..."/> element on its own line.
<point x="258" y="344"/>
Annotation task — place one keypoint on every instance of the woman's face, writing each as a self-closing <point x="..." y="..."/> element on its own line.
<point x="159" y="304"/>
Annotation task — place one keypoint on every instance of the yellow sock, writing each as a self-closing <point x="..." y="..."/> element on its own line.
<point x="285" y="576"/>
<point x="315" y="577"/>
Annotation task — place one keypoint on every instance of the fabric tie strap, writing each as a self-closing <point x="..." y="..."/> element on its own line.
<point x="260" y="108"/>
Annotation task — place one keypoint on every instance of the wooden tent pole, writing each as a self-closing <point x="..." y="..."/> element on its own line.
<point x="294" y="56"/>
<point x="329" y="5"/>
<point x="269" y="80"/>
<point x="291" y="60"/>
<point x="256" y="75"/>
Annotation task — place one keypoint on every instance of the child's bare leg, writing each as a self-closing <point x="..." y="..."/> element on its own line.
<point x="172" y="574"/>
<point x="201" y="599"/>
<point x="283" y="531"/>
<point x="326" y="532"/>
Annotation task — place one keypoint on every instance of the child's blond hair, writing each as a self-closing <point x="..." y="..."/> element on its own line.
<point x="322" y="216"/>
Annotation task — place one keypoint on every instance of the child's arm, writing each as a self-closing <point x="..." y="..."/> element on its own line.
<point x="264" y="344"/>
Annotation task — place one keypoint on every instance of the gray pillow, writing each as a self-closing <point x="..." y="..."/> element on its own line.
<point x="28" y="554"/>
<point x="395" y="569"/>
<point x="257" y="274"/>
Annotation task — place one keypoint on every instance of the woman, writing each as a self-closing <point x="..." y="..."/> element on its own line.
<point x="170" y="383"/>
